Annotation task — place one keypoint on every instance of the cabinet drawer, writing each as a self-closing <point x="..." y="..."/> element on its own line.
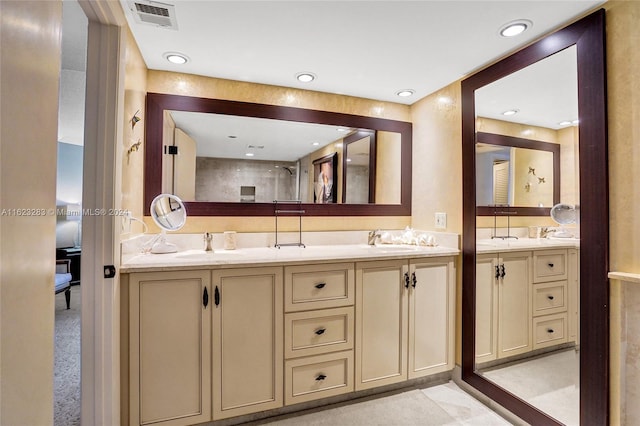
<point x="317" y="332"/>
<point x="549" y="298"/>
<point x="549" y="265"/>
<point x="549" y="330"/>
<point x="308" y="287"/>
<point x="318" y="377"/>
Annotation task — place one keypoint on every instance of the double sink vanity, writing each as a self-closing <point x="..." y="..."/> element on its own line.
<point x="214" y="335"/>
<point x="257" y="330"/>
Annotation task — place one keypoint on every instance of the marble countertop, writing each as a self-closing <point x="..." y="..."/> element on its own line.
<point x="524" y="244"/>
<point x="260" y="256"/>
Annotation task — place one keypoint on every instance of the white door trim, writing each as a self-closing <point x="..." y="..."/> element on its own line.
<point x="100" y="347"/>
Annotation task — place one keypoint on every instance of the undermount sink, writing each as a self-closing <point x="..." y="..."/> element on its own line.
<point x="201" y="254"/>
<point x="392" y="248"/>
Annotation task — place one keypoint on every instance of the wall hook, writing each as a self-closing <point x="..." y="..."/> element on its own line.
<point x="133" y="148"/>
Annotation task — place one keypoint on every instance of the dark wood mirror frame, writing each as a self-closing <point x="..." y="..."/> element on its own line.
<point x="372" y="162"/>
<point x="495" y="139"/>
<point x="156" y="103"/>
<point x="588" y="34"/>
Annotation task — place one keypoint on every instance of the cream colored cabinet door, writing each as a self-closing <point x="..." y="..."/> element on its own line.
<point x="487" y="279"/>
<point x="381" y="323"/>
<point x="169" y="348"/>
<point x="514" y="304"/>
<point x="247" y="340"/>
<point x="431" y="316"/>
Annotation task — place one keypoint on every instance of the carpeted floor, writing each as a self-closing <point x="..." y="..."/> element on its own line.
<point x="66" y="373"/>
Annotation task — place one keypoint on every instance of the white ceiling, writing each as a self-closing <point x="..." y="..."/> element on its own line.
<point x="369" y="49"/>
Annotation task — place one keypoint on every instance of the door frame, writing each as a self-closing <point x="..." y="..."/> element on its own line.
<point x="100" y="318"/>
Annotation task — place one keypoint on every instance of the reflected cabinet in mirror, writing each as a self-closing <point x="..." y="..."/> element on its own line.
<point x="525" y="342"/>
<point x="235" y="158"/>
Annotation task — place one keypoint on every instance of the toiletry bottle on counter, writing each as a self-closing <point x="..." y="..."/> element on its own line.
<point x="229" y="240"/>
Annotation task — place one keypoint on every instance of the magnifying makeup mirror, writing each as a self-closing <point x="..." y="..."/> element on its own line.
<point x="169" y="213"/>
<point x="563" y="214"/>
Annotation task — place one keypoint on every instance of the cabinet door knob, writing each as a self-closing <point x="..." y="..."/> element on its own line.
<point x="216" y="296"/>
<point x="550" y="265"/>
<point x="497" y="272"/>
<point x="320" y="331"/>
<point x="503" y="272"/>
<point x="205" y="297"/>
<point x="406" y="280"/>
<point x="320" y="285"/>
<point x="321" y="377"/>
<point x="414" y="280"/>
<point x="550" y="297"/>
<point x="550" y="330"/>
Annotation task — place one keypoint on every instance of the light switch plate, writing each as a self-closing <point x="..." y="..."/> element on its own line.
<point x="441" y="221"/>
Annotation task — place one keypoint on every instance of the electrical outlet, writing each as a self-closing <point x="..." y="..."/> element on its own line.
<point x="441" y="221"/>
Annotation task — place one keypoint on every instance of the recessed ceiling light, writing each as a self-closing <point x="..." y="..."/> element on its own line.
<point x="348" y="160"/>
<point x="405" y="93"/>
<point x="342" y="129"/>
<point x="511" y="112"/>
<point x="249" y="154"/>
<point x="315" y="143"/>
<point x="564" y="123"/>
<point x="515" y="27"/>
<point x="176" y="58"/>
<point x="305" y="77"/>
<point x="575" y="122"/>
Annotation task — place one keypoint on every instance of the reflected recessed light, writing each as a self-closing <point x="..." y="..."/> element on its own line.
<point x="511" y="112"/>
<point x="305" y="77"/>
<point x="515" y="27"/>
<point x="348" y="160"/>
<point x="405" y="93"/>
<point x="176" y="58"/>
<point x="249" y="154"/>
<point x="564" y="123"/>
<point x="342" y="129"/>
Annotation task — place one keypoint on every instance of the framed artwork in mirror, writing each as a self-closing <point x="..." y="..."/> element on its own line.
<point x="324" y="178"/>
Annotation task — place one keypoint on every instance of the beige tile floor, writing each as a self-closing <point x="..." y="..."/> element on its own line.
<point x="445" y="404"/>
<point x="550" y="383"/>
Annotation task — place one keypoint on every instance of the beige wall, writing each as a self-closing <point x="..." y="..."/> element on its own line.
<point x="437" y="159"/>
<point x="623" y="79"/>
<point x="623" y="86"/>
<point x="134" y="100"/>
<point x="30" y="72"/>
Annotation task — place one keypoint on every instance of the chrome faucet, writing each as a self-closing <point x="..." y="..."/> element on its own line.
<point x="373" y="236"/>
<point x="208" y="239"/>
<point x="544" y="232"/>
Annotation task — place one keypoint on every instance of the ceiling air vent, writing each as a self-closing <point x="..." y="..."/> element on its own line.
<point x="154" y="13"/>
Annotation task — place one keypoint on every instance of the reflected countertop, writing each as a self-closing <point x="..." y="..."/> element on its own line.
<point x="524" y="244"/>
<point x="271" y="256"/>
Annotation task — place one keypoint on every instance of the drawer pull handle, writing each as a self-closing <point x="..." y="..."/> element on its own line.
<point x="550" y="265"/>
<point x="321" y="285"/>
<point x="503" y="272"/>
<point x="549" y="330"/>
<point x="406" y="280"/>
<point x="321" y="377"/>
<point x="414" y="280"/>
<point x="320" y="331"/>
<point x="550" y="297"/>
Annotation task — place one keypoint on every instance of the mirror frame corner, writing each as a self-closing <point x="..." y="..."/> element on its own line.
<point x="588" y="34"/>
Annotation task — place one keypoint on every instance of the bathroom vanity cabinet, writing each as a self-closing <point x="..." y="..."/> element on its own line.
<point x="525" y="300"/>
<point x="212" y="343"/>
<point x="404" y="314"/>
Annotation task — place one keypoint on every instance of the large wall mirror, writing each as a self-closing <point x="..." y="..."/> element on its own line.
<point x="575" y="56"/>
<point x="235" y="158"/>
